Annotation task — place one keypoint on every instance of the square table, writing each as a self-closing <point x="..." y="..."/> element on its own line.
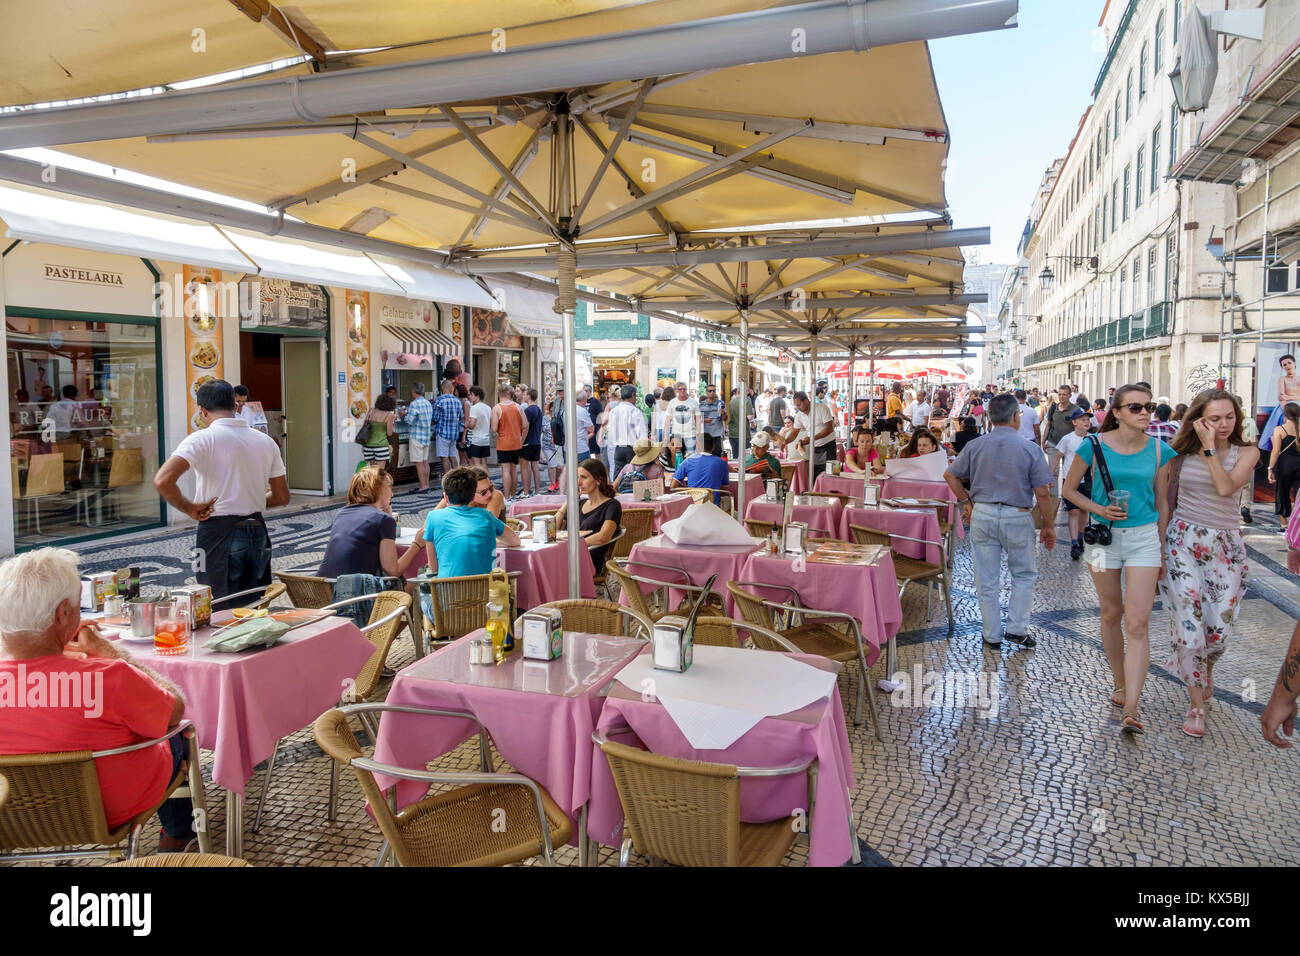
<point x="754" y="485"/>
<point x="666" y="507"/>
<point x="912" y="488"/>
<point x="544" y="567"/>
<point x="824" y="516"/>
<point x="696" y="562"/>
<point x="868" y="592"/>
<point x="540" y="714"/>
<point x="243" y="703"/>
<point x="920" y="523"/>
<point x="817" y="730"/>
<point x="842" y="484"/>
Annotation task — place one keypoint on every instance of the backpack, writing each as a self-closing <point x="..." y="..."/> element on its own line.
<point x="626" y="484"/>
<point x="557" y="426"/>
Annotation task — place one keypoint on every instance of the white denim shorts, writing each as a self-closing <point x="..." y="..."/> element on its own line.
<point x="1137" y="547"/>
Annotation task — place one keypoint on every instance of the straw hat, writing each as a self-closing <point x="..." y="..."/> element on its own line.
<point x="644" y="451"/>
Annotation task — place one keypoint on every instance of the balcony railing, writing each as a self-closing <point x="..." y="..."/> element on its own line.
<point x="1148" y="324"/>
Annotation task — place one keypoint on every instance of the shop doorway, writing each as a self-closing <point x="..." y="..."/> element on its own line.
<point x="287" y="374"/>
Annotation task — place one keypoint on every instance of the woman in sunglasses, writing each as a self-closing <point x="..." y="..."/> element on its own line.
<point x="1126" y="570"/>
<point x="1204" y="551"/>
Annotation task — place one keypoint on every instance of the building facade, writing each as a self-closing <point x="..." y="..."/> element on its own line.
<point x="1116" y="287"/>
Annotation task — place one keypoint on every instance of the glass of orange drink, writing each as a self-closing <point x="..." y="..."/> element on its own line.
<point x="171" y="628"/>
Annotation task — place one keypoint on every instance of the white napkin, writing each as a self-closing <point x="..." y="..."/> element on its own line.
<point x="922" y="468"/>
<point x="705" y="523"/>
<point x="727" y="690"/>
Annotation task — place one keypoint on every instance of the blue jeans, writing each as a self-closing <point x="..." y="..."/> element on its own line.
<point x="250" y="557"/>
<point x="176" y="814"/>
<point x="994" y="529"/>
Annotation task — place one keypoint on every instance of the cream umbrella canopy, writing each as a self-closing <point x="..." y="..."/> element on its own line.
<point x="585" y="150"/>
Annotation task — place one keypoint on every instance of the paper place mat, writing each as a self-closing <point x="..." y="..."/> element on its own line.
<point x="407" y="536"/>
<point x="727" y="691"/>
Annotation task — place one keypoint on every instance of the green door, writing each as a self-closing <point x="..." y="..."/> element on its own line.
<point x="302" y="372"/>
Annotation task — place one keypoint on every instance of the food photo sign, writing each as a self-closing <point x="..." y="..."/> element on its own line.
<point x="358" y="366"/>
<point x="203" y="361"/>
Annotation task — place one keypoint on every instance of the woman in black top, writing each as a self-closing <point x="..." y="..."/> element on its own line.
<point x="1284" y="464"/>
<point x="970" y="430"/>
<point x="602" y="514"/>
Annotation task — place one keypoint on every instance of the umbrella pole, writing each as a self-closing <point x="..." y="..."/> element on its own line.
<point x="871" y="394"/>
<point x="742" y="431"/>
<point x="566" y="302"/>
<point x="812" y="414"/>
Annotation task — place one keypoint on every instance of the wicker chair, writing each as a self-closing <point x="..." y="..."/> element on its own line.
<point x="725" y="632"/>
<point x="55" y="801"/>
<point x="818" y="637"/>
<point x="687" y="812"/>
<point x="725" y="499"/>
<point x="638" y="525"/>
<point x="186" y="860"/>
<point x="4" y="791"/>
<point x="674" y="578"/>
<point x="759" y="529"/>
<point x="599" y="617"/>
<point x="460" y="604"/>
<point x="456" y="827"/>
<point x="516" y="524"/>
<point x="266" y="596"/>
<point x="307" y="590"/>
<point x="612" y="547"/>
<point x="908" y="570"/>
<point x="390" y="613"/>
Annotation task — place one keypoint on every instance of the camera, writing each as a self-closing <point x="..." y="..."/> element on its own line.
<point x="1097" y="534"/>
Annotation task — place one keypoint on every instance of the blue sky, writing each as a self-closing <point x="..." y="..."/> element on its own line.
<point x="1013" y="100"/>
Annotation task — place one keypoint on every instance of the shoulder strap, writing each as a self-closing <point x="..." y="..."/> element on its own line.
<point x="1099" y="458"/>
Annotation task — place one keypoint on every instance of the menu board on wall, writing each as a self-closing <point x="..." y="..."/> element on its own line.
<point x="203" y="358"/>
<point x="358" y="359"/>
<point x="453" y="323"/>
<point x="492" y="332"/>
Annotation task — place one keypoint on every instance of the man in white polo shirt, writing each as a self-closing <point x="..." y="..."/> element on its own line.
<point x="234" y="465"/>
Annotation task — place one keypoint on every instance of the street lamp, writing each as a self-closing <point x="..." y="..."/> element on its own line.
<point x="1047" y="276"/>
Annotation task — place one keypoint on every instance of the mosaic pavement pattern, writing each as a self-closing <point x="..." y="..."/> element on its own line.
<point x="1041" y="777"/>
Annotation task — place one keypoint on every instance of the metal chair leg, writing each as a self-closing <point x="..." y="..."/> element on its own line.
<point x="484" y="753"/>
<point x="947" y="597"/>
<point x="333" y="811"/>
<point x="133" y="841"/>
<point x="198" y="796"/>
<point x="266" y="785"/>
<point x="625" y="852"/>
<point x="384" y="850"/>
<point x="871" y="699"/>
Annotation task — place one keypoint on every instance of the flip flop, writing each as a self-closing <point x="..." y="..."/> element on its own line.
<point x="1131" y="725"/>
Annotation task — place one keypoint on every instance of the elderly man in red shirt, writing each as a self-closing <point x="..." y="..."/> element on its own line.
<point x="64" y="687"/>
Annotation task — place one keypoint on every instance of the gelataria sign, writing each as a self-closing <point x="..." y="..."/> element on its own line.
<point x="90" y="276"/>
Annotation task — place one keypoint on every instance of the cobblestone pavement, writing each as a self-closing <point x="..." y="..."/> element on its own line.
<point x="1034" y="773"/>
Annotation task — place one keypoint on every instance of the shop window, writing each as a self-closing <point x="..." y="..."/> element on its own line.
<point x="84" y="425"/>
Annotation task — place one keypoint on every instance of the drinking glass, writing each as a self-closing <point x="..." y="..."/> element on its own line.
<point x="1119" y="499"/>
<point x="171" y="627"/>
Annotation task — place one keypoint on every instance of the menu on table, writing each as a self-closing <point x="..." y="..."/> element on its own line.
<point x="844" y="553"/>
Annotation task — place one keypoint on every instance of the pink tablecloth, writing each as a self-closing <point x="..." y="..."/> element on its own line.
<point x="915" y="523"/>
<point x="697" y="562"/>
<point x="545" y="574"/>
<point x="666" y="508"/>
<point x="817" y="730"/>
<point x="243" y="703"/>
<point x="839" y="485"/>
<point x="869" y="593"/>
<point x="754" y="486"/>
<point x="540" y="714"/>
<point x="799" y="483"/>
<point x="824" y="517"/>
<point x="910" y="488"/>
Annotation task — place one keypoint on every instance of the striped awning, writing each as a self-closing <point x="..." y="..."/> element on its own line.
<point x="423" y="341"/>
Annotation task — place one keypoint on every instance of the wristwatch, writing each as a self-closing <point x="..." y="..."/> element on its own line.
<point x="1207" y="452"/>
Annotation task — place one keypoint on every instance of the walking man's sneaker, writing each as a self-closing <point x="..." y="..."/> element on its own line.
<point x="1076" y="551"/>
<point x="1024" y="640"/>
<point x="997" y="643"/>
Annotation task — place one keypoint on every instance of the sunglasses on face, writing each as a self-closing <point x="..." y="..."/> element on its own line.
<point x="484" y="491"/>
<point x="1137" y="408"/>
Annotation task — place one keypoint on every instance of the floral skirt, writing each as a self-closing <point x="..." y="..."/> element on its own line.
<point x="1202" y="590"/>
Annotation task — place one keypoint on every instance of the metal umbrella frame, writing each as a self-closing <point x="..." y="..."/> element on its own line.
<point x="885" y="277"/>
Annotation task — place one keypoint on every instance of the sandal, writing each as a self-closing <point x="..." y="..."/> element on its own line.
<point x="1118" y="691"/>
<point x="1194" y="713"/>
<point x="1131" y="725"/>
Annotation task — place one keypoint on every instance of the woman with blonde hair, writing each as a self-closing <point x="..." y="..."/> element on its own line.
<point x="1125" y="554"/>
<point x="1204" y="551"/>
<point x="363" y="537"/>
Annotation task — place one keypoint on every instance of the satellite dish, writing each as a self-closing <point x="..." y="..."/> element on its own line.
<point x="1196" y="67"/>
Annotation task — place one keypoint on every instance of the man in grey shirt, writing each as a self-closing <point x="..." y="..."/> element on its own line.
<point x="1007" y="474"/>
<point x="776" y="411"/>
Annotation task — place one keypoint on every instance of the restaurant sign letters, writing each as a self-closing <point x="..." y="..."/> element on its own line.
<point x="90" y="276"/>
